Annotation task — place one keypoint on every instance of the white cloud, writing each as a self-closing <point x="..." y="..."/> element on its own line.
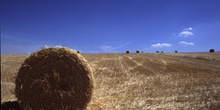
<point x="161" y="45"/>
<point x="186" y="43"/>
<point x="189" y="29"/>
<point x="186" y="33"/>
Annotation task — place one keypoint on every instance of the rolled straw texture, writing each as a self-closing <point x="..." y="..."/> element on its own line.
<point x="54" y="78"/>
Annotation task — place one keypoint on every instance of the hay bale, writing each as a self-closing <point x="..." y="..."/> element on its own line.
<point x="161" y="51"/>
<point x="78" y="51"/>
<point x="127" y="51"/>
<point x="54" y="78"/>
<point x="175" y="51"/>
<point x="157" y="51"/>
<point x="211" y="50"/>
<point x="142" y="51"/>
<point x="137" y="51"/>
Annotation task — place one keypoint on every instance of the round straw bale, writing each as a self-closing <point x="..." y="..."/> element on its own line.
<point x="211" y="50"/>
<point x="137" y="51"/>
<point x="175" y="51"/>
<point x="54" y="78"/>
<point x="127" y="51"/>
<point x="157" y="51"/>
<point x="142" y="51"/>
<point x="78" y="51"/>
<point x="161" y="51"/>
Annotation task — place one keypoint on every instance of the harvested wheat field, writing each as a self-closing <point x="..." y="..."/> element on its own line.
<point x="140" y="81"/>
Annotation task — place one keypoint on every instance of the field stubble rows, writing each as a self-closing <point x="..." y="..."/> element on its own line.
<point x="140" y="81"/>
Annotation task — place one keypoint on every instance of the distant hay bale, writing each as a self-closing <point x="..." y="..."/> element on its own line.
<point x="54" y="78"/>
<point x="142" y="51"/>
<point x="211" y="50"/>
<point x="161" y="51"/>
<point x="137" y="51"/>
<point x="157" y="51"/>
<point x="78" y="51"/>
<point x="175" y="51"/>
<point x="127" y="51"/>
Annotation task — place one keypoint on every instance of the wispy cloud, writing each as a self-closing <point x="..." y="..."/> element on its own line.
<point x="106" y="48"/>
<point x="113" y="46"/>
<point x="186" y="33"/>
<point x="19" y="49"/>
<point x="19" y="43"/>
<point x="189" y="29"/>
<point x="18" y="39"/>
<point x="186" y="43"/>
<point x="113" y="42"/>
<point x="161" y="45"/>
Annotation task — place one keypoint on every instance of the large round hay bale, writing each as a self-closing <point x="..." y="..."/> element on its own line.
<point x="175" y="51"/>
<point x="161" y="51"/>
<point x="127" y="51"/>
<point x="142" y="51"/>
<point x="54" y="78"/>
<point x="137" y="51"/>
<point x="157" y="51"/>
<point x="211" y="50"/>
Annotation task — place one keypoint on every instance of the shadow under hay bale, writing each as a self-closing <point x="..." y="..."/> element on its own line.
<point x="127" y="51"/>
<point x="137" y="51"/>
<point x="54" y="78"/>
<point x="14" y="105"/>
<point x="211" y="50"/>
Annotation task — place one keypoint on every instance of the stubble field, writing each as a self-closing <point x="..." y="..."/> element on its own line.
<point x="140" y="81"/>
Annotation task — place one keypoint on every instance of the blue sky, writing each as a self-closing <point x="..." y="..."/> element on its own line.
<point x="105" y="26"/>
